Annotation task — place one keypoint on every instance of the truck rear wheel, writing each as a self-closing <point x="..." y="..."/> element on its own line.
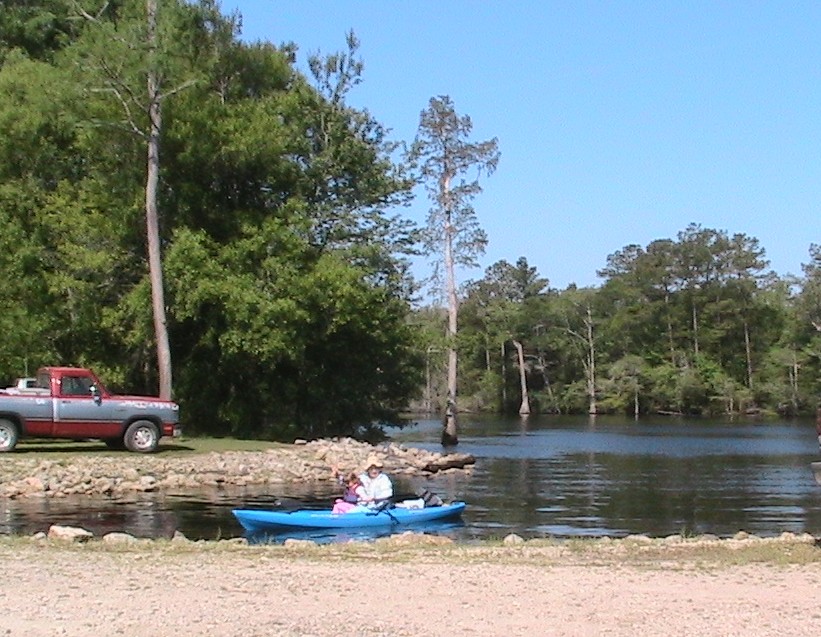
<point x="142" y="436"/>
<point x="8" y="435"/>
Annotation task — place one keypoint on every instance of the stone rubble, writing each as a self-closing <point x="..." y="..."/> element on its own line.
<point x="630" y="544"/>
<point x="117" y="475"/>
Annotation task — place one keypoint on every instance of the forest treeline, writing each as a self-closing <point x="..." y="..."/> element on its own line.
<point x="695" y="325"/>
<point x="290" y="305"/>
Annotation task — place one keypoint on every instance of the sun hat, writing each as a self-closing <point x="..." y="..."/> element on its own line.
<point x="374" y="461"/>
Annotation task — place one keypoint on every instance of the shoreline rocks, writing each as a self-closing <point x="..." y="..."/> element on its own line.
<point x="635" y="544"/>
<point x="121" y="474"/>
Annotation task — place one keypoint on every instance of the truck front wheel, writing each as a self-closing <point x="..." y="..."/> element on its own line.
<point x="8" y="435"/>
<point x="142" y="436"/>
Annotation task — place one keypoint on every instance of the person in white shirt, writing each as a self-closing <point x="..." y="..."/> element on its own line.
<point x="378" y="485"/>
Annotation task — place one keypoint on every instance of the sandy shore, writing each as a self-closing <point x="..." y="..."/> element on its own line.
<point x="227" y="590"/>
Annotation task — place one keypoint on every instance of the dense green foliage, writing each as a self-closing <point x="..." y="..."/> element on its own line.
<point x="286" y="287"/>
<point x="694" y="325"/>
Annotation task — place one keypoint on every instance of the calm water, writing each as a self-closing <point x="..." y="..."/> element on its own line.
<point x="542" y="477"/>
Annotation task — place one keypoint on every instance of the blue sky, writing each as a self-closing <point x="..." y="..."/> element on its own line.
<point x="618" y="122"/>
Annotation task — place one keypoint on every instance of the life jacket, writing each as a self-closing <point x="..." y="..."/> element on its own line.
<point x="350" y="495"/>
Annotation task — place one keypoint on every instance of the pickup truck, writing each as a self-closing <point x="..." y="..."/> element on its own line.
<point x="72" y="403"/>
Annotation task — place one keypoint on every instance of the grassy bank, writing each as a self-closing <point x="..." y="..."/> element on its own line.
<point x="668" y="553"/>
<point x="168" y="447"/>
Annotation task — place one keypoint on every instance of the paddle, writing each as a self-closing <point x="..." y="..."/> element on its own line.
<point x="384" y="507"/>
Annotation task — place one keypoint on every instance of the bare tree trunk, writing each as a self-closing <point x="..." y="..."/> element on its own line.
<point x="588" y="359"/>
<point x="504" y="377"/>
<point x="449" y="436"/>
<point x="695" y="329"/>
<point x="428" y="401"/>
<point x="152" y="216"/>
<point x="546" y="379"/>
<point x="524" y="409"/>
<point x="670" y="329"/>
<point x="747" y="350"/>
<point x="591" y="367"/>
<point x="151" y="184"/>
<point x="442" y="153"/>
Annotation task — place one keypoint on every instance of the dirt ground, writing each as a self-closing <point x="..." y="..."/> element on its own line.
<point x="166" y="591"/>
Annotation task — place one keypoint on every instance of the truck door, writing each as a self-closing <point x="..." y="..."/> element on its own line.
<point x="78" y="415"/>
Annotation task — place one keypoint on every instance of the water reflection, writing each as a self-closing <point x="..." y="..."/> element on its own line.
<point x="545" y="477"/>
<point x="337" y="536"/>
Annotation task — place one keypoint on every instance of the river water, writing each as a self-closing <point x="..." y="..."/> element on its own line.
<point x="547" y="476"/>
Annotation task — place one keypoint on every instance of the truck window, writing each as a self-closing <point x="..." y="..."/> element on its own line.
<point x="76" y="386"/>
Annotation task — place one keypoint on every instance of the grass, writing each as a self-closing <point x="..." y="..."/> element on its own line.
<point x="208" y="445"/>
<point x="685" y="555"/>
<point x="168" y="447"/>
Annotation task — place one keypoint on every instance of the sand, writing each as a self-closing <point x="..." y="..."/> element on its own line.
<point x="160" y="589"/>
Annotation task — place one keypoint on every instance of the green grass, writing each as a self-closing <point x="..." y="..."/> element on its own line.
<point x="178" y="446"/>
<point x="207" y="445"/>
<point x="687" y="556"/>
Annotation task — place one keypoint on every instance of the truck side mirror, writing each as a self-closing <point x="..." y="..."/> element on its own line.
<point x="95" y="392"/>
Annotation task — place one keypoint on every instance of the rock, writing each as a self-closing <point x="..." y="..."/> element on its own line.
<point x="69" y="533"/>
<point x="103" y="485"/>
<point x="293" y="543"/>
<point x="148" y="483"/>
<point x="305" y="461"/>
<point x="130" y="474"/>
<point x="409" y="538"/>
<point x="119" y="538"/>
<point x="512" y="538"/>
<point x="34" y="484"/>
<point x="179" y="538"/>
<point x="240" y="541"/>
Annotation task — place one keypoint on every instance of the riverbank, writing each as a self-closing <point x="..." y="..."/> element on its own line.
<point x="622" y="588"/>
<point x="179" y="467"/>
<point x="405" y="585"/>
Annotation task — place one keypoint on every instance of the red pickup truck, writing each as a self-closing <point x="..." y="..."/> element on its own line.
<point x="72" y="403"/>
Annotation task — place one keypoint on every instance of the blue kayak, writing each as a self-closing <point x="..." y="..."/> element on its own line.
<point x="256" y="520"/>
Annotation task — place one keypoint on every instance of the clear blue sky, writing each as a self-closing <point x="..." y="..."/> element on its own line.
<point x="618" y="122"/>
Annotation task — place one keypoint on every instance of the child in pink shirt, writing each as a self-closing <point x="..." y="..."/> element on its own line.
<point x="354" y="495"/>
